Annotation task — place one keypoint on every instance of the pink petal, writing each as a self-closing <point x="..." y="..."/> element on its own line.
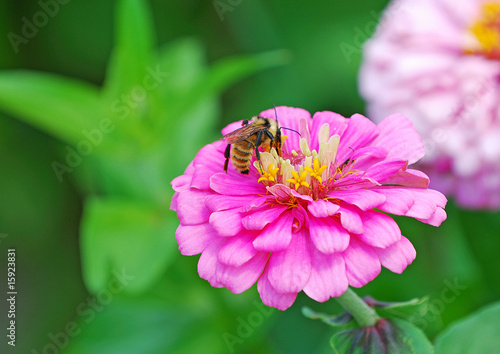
<point x="275" y="236"/>
<point x="193" y="239"/>
<point x="181" y="183"/>
<point x="328" y="277"/>
<point x="367" y="156"/>
<point x="290" y="269"/>
<point x="255" y="203"/>
<point x="173" y="202"/>
<point x="304" y="197"/>
<point x="210" y="157"/>
<point x="201" y="177"/>
<point x="230" y="185"/>
<point x="240" y="279"/>
<point x="189" y="169"/>
<point x="227" y="223"/>
<point x="353" y="182"/>
<point x="362" y="263"/>
<point x="259" y="219"/>
<point x="217" y="202"/>
<point x="300" y="215"/>
<point x="380" y="230"/>
<point x="397" y="256"/>
<point x="398" y="200"/>
<point x="271" y="297"/>
<point x="409" y="178"/>
<point x="383" y="170"/>
<point x="362" y="198"/>
<point x="436" y="219"/>
<point x="238" y="250"/>
<point x="398" y="132"/>
<point x="360" y="131"/>
<point x="207" y="264"/>
<point x="425" y="202"/>
<point x="281" y="192"/>
<point x="327" y="235"/>
<point x="322" y="208"/>
<point x="191" y="209"/>
<point x="350" y="219"/>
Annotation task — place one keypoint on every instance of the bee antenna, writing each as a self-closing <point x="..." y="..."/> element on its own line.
<point x="275" y="113"/>
<point x="293" y="130"/>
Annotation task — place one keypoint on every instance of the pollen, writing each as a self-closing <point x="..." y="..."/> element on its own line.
<point x="270" y="175"/>
<point x="316" y="171"/>
<point x="299" y="180"/>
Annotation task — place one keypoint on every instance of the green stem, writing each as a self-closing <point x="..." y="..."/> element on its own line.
<point x="362" y="313"/>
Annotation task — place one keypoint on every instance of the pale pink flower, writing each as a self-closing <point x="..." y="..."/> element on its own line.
<point x="308" y="222"/>
<point x="438" y="63"/>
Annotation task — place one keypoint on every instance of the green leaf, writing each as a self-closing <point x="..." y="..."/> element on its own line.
<point x="478" y="333"/>
<point x="132" y="53"/>
<point x="184" y="61"/>
<point x="59" y="106"/>
<point x="387" y="336"/>
<point x="334" y="321"/>
<point x="119" y="325"/>
<point x="120" y="235"/>
<point x="416" y="340"/>
<point x="413" y="310"/>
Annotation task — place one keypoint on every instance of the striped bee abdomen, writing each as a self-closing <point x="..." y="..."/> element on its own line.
<point x="241" y="156"/>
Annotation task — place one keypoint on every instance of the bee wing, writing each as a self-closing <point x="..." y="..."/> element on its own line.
<point x="242" y="133"/>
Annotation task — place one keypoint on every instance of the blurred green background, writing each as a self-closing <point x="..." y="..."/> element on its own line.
<point x="77" y="221"/>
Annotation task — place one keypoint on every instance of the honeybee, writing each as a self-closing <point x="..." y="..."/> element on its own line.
<point x="253" y="134"/>
<point x="258" y="132"/>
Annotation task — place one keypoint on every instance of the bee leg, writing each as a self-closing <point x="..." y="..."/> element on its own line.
<point x="257" y="154"/>
<point x="270" y="137"/>
<point x="226" y="155"/>
<point x="258" y="141"/>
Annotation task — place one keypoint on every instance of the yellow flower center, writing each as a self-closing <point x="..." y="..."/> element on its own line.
<point x="270" y="174"/>
<point x="309" y="171"/>
<point x="316" y="171"/>
<point x="298" y="180"/>
<point x="487" y="32"/>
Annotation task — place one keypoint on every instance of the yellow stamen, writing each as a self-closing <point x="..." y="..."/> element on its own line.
<point x="269" y="176"/>
<point x="316" y="170"/>
<point x="298" y="180"/>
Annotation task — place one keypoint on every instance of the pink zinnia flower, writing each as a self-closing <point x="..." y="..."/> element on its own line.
<point x="438" y="63"/>
<point x="308" y="222"/>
